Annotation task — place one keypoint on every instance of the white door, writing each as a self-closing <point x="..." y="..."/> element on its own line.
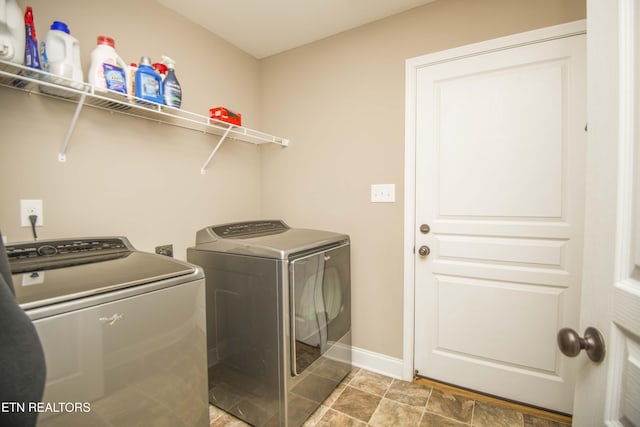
<point x="609" y="393"/>
<point x="499" y="179"/>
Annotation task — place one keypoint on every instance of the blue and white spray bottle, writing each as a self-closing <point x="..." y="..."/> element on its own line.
<point x="172" y="91"/>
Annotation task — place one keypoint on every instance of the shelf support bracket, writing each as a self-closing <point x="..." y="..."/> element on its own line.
<point x="62" y="155"/>
<point x="203" y="169"/>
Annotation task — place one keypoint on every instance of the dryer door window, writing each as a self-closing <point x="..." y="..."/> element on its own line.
<point x="320" y="300"/>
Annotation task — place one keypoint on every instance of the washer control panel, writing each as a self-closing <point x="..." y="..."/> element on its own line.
<point x="31" y="256"/>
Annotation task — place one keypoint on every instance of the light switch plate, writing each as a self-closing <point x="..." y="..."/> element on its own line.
<point x="383" y="193"/>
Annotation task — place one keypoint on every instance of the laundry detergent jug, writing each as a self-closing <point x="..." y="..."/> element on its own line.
<point x="12" y="32"/>
<point x="105" y="53"/>
<point x="61" y="55"/>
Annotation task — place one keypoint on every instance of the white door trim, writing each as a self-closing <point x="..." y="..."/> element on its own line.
<point x="411" y="68"/>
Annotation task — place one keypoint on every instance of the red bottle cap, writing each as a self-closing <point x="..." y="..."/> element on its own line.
<point x="106" y="40"/>
<point x="28" y="20"/>
<point x="160" y="68"/>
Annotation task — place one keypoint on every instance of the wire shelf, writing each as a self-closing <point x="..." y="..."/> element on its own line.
<point x="39" y="82"/>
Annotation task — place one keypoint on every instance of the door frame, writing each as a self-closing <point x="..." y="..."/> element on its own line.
<point x="410" y="222"/>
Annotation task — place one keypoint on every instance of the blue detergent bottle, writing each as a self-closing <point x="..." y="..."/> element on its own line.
<point x="148" y="82"/>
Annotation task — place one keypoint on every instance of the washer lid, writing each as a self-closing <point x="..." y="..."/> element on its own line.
<point x="267" y="239"/>
<point x="70" y="276"/>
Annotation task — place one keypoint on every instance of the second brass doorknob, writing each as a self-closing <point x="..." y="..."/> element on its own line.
<point x="424" y="250"/>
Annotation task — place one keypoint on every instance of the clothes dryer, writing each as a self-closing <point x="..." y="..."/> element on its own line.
<point x="278" y="318"/>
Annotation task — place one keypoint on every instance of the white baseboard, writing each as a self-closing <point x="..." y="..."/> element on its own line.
<point x="376" y="362"/>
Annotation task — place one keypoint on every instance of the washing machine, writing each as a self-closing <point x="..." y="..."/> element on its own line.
<point x="278" y="318"/>
<point x="123" y="332"/>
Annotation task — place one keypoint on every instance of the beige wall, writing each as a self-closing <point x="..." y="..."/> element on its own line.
<point x="341" y="101"/>
<point x="125" y="176"/>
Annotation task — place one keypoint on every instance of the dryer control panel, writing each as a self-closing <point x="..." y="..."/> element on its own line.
<point x="238" y="230"/>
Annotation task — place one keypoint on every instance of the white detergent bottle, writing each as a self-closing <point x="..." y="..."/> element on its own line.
<point x="12" y="32"/>
<point x="62" y="53"/>
<point x="105" y="53"/>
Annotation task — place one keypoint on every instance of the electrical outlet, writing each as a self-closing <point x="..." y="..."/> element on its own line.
<point x="31" y="207"/>
<point x="33" y="278"/>
<point x="383" y="193"/>
<point x="166" y="250"/>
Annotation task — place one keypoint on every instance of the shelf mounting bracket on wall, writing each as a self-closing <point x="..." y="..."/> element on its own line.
<point x="203" y="169"/>
<point x="62" y="155"/>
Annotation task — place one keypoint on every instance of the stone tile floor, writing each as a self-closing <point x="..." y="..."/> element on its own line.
<point x="365" y="398"/>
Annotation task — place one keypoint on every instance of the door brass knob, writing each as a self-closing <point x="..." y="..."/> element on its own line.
<point x="571" y="343"/>
<point x="424" y="250"/>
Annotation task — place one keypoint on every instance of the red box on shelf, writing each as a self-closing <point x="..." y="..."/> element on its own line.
<point x="223" y="114"/>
